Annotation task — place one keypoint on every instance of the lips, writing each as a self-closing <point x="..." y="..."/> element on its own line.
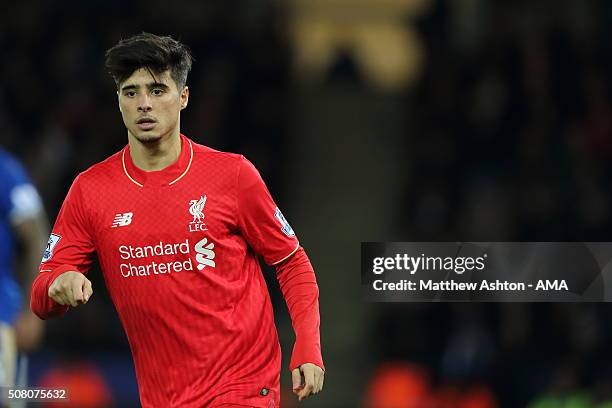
<point x="146" y="123"/>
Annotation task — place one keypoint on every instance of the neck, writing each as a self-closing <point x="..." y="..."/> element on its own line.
<point x="155" y="155"/>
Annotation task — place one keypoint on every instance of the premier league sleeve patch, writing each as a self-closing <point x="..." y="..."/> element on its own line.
<point x="285" y="227"/>
<point x="53" y="240"/>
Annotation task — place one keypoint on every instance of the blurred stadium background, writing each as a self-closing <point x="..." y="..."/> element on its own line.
<point x="371" y="120"/>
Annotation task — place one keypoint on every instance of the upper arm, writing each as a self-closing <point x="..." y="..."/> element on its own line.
<point x="71" y="241"/>
<point x="260" y="220"/>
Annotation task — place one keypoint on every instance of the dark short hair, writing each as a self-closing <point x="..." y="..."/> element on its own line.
<point x="149" y="51"/>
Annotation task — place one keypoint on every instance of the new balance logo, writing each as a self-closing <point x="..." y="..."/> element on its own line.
<point x="121" y="220"/>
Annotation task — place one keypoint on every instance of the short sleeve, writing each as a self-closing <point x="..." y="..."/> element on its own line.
<point x="71" y="243"/>
<point x="259" y="219"/>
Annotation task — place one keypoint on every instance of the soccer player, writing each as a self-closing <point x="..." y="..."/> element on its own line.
<point x="23" y="232"/>
<point x="177" y="228"/>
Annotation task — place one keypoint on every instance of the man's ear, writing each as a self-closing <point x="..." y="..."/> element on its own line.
<point x="118" y="101"/>
<point x="184" y="97"/>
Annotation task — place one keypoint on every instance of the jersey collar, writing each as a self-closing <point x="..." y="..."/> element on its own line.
<point x="166" y="176"/>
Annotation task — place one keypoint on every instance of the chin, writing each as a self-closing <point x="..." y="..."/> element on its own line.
<point x="145" y="138"/>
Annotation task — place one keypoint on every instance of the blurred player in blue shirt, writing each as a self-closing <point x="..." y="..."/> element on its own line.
<point x="23" y="234"/>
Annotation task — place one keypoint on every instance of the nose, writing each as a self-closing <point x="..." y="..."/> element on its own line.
<point x="144" y="103"/>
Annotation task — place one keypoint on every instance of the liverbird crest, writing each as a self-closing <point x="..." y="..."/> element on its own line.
<point x="196" y="208"/>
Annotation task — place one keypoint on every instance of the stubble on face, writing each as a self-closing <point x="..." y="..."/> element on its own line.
<point x="146" y="139"/>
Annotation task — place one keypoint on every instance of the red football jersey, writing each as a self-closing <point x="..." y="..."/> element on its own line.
<point x="178" y="249"/>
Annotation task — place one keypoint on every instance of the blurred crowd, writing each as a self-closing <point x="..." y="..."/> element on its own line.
<point x="514" y="128"/>
<point x="441" y="120"/>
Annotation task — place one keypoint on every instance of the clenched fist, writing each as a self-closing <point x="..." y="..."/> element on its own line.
<point x="71" y="288"/>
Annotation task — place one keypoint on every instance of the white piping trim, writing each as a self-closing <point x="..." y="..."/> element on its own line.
<point x="188" y="166"/>
<point x="45" y="270"/>
<point x="292" y="252"/>
<point x="173" y="181"/>
<point x="125" y="169"/>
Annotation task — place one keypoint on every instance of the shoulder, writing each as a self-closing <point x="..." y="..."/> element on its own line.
<point x="10" y="168"/>
<point x="101" y="175"/>
<point x="6" y="157"/>
<point x="208" y="153"/>
<point x="218" y="162"/>
<point x="232" y="167"/>
<point x="17" y="193"/>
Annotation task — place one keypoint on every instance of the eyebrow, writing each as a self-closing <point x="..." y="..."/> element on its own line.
<point x="150" y="85"/>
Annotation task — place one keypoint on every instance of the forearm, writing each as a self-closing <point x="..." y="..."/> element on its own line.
<point x="301" y="292"/>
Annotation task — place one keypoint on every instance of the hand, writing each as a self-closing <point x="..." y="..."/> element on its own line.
<point x="28" y="331"/>
<point x="71" y="288"/>
<point x="313" y="380"/>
